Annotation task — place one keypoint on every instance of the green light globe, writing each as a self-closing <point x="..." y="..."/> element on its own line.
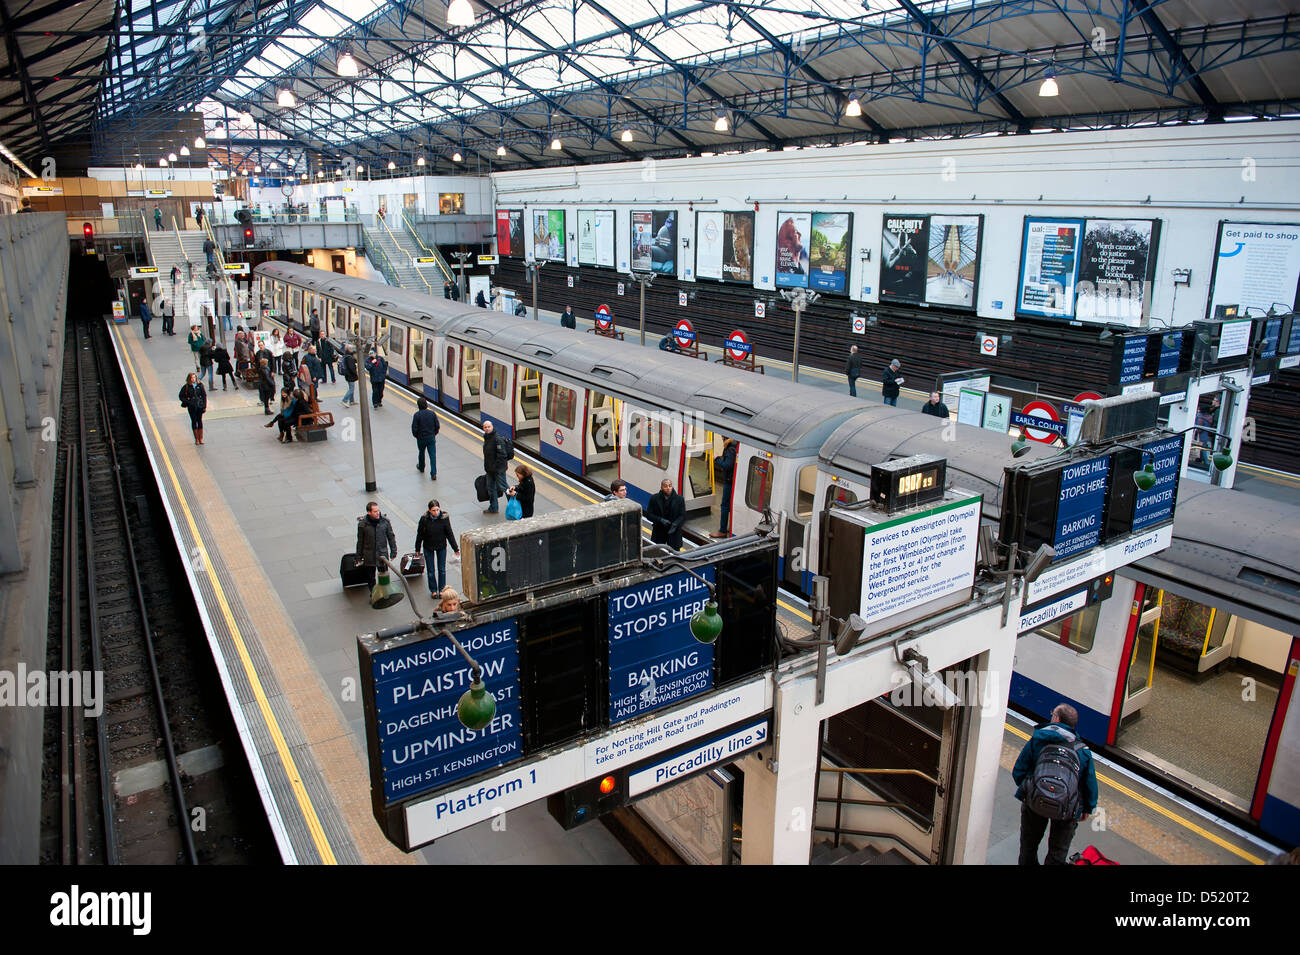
<point x="476" y="707"/>
<point x="1146" y="478"/>
<point x="1222" y="461"/>
<point x="1019" y="446"/>
<point x="706" y="625"/>
<point x="386" y="593"/>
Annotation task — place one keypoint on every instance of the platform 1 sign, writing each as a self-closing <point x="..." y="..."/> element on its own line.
<point x="653" y="659"/>
<point x="422" y="744"/>
<point x="1080" y="511"/>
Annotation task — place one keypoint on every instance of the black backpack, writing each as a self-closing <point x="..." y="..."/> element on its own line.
<point x="1052" y="789"/>
<point x="507" y="448"/>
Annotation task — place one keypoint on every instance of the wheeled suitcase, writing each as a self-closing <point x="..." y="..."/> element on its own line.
<point x="480" y="487"/>
<point x="1091" y="856"/>
<point x="352" y="573"/>
<point x="412" y="565"/>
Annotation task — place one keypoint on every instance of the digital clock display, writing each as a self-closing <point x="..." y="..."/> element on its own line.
<point x="920" y="481"/>
<point x="907" y="482"/>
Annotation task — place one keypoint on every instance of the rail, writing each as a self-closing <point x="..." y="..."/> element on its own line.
<point x="385" y="266"/>
<point x="437" y="256"/>
<point x="104" y="225"/>
<point x="287" y="218"/>
<point x="840" y="800"/>
<point x="384" y="222"/>
<point x="231" y="292"/>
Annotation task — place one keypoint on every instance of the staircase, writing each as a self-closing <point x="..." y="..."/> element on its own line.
<point x="167" y="249"/>
<point x="827" y="853"/>
<point x="396" y="255"/>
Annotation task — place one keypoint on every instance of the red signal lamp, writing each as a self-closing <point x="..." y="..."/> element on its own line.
<point x="607" y="785"/>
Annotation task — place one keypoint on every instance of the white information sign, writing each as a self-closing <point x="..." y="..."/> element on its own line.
<point x="1257" y="267"/>
<point x="1234" y="338"/>
<point x="1045" y="615"/>
<point x="1099" y="561"/>
<point x="697" y="758"/>
<point x="918" y="558"/>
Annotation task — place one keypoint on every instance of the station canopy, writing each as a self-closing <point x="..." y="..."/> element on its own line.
<point x="309" y="84"/>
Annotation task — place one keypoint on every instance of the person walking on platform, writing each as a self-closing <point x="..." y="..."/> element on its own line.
<point x="375" y="540"/>
<point x="315" y="367"/>
<point x="568" y="319"/>
<point x="495" y="457"/>
<point x="275" y="344"/>
<point x="890" y="381"/>
<point x="424" y="428"/>
<point x="935" y="406"/>
<point x="168" y="318"/>
<point x="667" y="513"/>
<point x="853" y="369"/>
<point x="197" y="341"/>
<point x="525" y="492"/>
<point x="433" y="535"/>
<point x="195" y="400"/>
<point x="198" y="217"/>
<point x="176" y="277"/>
<point x="265" y="384"/>
<point x="145" y="317"/>
<point x="349" y="375"/>
<point x="480" y="299"/>
<point x="221" y="358"/>
<point x="377" y="368"/>
<point x="328" y="357"/>
<point x="157" y="218"/>
<point x="446" y="290"/>
<point x="243" y="352"/>
<point x="1056" y="782"/>
<point x="205" y="364"/>
<point x="292" y="342"/>
<point x="724" y="473"/>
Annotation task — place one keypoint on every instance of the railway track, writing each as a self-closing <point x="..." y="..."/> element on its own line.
<point x="142" y="766"/>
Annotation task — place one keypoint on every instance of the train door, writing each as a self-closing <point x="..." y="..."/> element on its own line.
<point x="415" y="356"/>
<point x="382" y="326"/>
<point x="308" y="304"/>
<point x="649" y="452"/>
<point x="562" y="426"/>
<point x="451" y="384"/>
<point x="699" y="447"/>
<point x="396" y="351"/>
<point x="527" y="401"/>
<point x="1214" y="412"/>
<point x="832" y="490"/>
<point x="354" y="320"/>
<point x="497" y="394"/>
<point x="795" y="536"/>
<point x="470" y="374"/>
<point x="600" y="443"/>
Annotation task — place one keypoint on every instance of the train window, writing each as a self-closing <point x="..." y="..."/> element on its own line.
<point x="835" y="494"/>
<point x="560" y="405"/>
<point x="496" y="379"/>
<point x="1076" y="631"/>
<point x="758" y="488"/>
<point x="397" y="340"/>
<point x="645" y="440"/>
<point x="806" y="492"/>
<point x="451" y="361"/>
<point x="295" y="299"/>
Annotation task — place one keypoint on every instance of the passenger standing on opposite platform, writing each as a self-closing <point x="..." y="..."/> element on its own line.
<point x="568" y="319"/>
<point x="243" y="351"/>
<point x="853" y="369"/>
<point x="667" y="513"/>
<point x="292" y="342"/>
<point x="145" y="317"/>
<point x="1056" y="782"/>
<point x="446" y="290"/>
<point x="349" y="374"/>
<point x="197" y="341"/>
<point x="890" y="381"/>
<point x="724" y="473"/>
<point x="424" y="428"/>
<point x="195" y="400"/>
<point x="328" y="356"/>
<point x="315" y="368"/>
<point x="375" y="540"/>
<point x="377" y="369"/>
<point x="275" y="344"/>
<point x="168" y="318"/>
<point x="480" y="299"/>
<point x="525" y="492"/>
<point x="205" y="364"/>
<point x="495" y="458"/>
<point x="265" y="384"/>
<point x="935" y="406"/>
<point x="617" y="490"/>
<point x="433" y="534"/>
<point x="221" y="358"/>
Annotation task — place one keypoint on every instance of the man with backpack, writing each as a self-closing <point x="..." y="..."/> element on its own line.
<point x="349" y="374"/>
<point x="424" y="429"/>
<point x="1057" y="783"/>
<point x="497" y="451"/>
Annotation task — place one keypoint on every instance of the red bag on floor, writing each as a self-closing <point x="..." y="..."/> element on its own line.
<point x="1091" y="856"/>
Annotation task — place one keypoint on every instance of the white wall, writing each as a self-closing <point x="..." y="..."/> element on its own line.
<point x="367" y="195"/>
<point x="1190" y="178"/>
<point x="1261" y="645"/>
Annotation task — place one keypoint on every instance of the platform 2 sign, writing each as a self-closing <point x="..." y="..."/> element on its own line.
<point x="1081" y="508"/>
<point x="415" y="688"/>
<point x="653" y="659"/>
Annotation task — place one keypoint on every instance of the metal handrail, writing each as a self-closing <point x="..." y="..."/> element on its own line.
<point x="384" y="222"/>
<point x="385" y="266"/>
<point x="434" y="253"/>
<point x="840" y="799"/>
<point x="882" y="772"/>
<point x="221" y="269"/>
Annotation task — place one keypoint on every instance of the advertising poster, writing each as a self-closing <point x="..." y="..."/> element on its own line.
<point x="953" y="266"/>
<point x="654" y="242"/>
<point x="724" y="246"/>
<point x="510" y="232"/>
<point x="596" y="237"/>
<point x="904" y="246"/>
<point x="548" y="235"/>
<point x="1116" y="268"/>
<point x="793" y="231"/>
<point x="828" y="257"/>
<point x="1049" y="267"/>
<point x="1257" y="267"/>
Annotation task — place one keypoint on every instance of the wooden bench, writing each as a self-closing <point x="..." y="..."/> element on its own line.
<point x="315" y="424"/>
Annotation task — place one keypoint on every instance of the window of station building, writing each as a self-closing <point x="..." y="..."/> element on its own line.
<point x="496" y="379"/>
<point x="1076" y="631"/>
<point x="806" y="491"/>
<point x="646" y="440"/>
<point x="561" y="405"/>
<point x="758" y="486"/>
<point x="451" y="203"/>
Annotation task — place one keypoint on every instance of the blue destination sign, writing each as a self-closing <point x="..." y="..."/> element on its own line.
<point x="1293" y="340"/>
<point x="1079" y="512"/>
<point x="1133" y="359"/>
<point x="1157" y="505"/>
<point x="653" y="659"/>
<point x="1272" y="338"/>
<point x="1171" y="351"/>
<point x="422" y="744"/>
<point x="1020" y="419"/>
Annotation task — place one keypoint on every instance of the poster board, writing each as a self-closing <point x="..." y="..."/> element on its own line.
<point x="654" y="241"/>
<point x="548" y="235"/>
<point x="724" y="246"/>
<point x="596" y="237"/>
<point x="1049" y="267"/>
<point x="1256" y="268"/>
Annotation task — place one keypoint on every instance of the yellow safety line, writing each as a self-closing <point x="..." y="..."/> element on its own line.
<point x="282" y="748"/>
<point x="1185" y="823"/>
<point x="795" y="610"/>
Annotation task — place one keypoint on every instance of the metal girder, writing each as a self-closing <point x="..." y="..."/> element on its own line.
<point x="17" y="62"/>
<point x="1176" y="55"/>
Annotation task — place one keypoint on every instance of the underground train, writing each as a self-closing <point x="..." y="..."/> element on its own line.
<point x="598" y="409"/>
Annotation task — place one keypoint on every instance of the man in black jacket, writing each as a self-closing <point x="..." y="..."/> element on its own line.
<point x="495" y="456"/>
<point x="433" y="535"/>
<point x="350" y="375"/>
<point x="375" y="540"/>
<point x="327" y="358"/>
<point x="853" y="369"/>
<point x="724" y="475"/>
<point x="935" y="406"/>
<point x="313" y="326"/>
<point x="567" y="318"/>
<point x="667" y="513"/>
<point x="424" y="428"/>
<point x="890" y="381"/>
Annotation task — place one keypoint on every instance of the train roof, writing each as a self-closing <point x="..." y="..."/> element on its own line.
<point x="976" y="456"/>
<point x="1232" y="549"/>
<point x="368" y="294"/>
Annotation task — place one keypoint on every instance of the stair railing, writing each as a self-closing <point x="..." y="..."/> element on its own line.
<point x="434" y="253"/>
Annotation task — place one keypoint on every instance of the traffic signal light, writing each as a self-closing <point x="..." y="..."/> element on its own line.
<point x="248" y="235"/>
<point x="88" y="231"/>
<point x="589" y="800"/>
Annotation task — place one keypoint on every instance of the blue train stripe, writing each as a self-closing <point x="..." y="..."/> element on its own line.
<point x="1040" y="700"/>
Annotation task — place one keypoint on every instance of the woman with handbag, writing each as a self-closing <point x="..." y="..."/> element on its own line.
<point x="521" y="496"/>
<point x="432" y="536"/>
<point x="195" y="401"/>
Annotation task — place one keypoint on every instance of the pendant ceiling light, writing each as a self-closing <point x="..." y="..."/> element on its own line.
<point x="460" y="13"/>
<point x="286" y="99"/>
<point x="346" y="65"/>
